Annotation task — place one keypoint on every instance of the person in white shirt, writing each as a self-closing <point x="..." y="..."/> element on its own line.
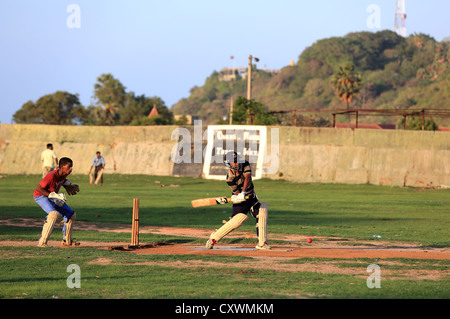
<point x="49" y="160"/>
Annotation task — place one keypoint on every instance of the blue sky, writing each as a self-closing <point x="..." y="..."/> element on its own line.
<point x="164" y="48"/>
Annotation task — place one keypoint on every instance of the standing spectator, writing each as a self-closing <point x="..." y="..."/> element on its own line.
<point x="99" y="163"/>
<point x="49" y="160"/>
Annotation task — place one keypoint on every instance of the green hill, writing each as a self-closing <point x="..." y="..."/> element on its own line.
<point x="397" y="73"/>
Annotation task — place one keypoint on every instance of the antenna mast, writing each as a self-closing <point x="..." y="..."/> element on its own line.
<point x="400" y="18"/>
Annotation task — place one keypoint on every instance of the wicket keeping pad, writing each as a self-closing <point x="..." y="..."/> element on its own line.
<point x="47" y="229"/>
<point x="69" y="227"/>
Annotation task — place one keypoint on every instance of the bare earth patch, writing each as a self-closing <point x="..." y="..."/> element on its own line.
<point x="276" y="259"/>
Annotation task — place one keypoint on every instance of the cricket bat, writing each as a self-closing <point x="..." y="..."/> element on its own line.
<point x="211" y="201"/>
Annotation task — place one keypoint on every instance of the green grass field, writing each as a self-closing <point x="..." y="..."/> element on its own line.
<point x="356" y="212"/>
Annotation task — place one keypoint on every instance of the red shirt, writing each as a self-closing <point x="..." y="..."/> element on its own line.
<point x="52" y="182"/>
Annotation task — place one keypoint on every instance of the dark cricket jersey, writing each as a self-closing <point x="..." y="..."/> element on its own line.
<point x="235" y="179"/>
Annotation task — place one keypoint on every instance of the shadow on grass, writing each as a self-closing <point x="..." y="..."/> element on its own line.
<point x="326" y="221"/>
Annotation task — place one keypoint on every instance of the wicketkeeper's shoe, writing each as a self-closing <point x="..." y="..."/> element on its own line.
<point x="41" y="244"/>
<point x="74" y="243"/>
<point x="263" y="247"/>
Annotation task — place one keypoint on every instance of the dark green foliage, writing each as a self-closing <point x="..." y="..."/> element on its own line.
<point x="415" y="123"/>
<point x="251" y="112"/>
<point x="58" y="108"/>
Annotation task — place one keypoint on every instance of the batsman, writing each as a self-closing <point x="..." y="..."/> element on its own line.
<point x="54" y="204"/>
<point x="244" y="199"/>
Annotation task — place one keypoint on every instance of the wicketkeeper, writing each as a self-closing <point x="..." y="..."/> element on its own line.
<point x="244" y="199"/>
<point x="54" y="204"/>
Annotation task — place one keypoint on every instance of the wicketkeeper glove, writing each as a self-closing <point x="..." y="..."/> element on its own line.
<point x="58" y="199"/>
<point x="72" y="189"/>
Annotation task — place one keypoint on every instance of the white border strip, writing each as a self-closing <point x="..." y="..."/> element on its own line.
<point x="209" y="147"/>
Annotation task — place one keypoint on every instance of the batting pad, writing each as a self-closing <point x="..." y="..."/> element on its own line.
<point x="69" y="226"/>
<point x="262" y="223"/>
<point x="47" y="229"/>
<point x="231" y="225"/>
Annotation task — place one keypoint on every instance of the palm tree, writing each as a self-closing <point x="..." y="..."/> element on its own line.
<point x="110" y="93"/>
<point x="346" y="83"/>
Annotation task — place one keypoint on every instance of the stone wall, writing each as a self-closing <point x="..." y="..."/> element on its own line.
<point x="318" y="155"/>
<point x="380" y="157"/>
<point x="127" y="150"/>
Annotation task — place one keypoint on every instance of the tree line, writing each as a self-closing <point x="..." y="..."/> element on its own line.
<point x="113" y="105"/>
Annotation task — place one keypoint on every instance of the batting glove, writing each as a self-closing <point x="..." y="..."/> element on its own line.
<point x="236" y="199"/>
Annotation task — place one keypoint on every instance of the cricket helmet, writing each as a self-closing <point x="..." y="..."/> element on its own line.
<point x="233" y="157"/>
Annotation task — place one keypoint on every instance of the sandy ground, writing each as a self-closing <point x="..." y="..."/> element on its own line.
<point x="297" y="247"/>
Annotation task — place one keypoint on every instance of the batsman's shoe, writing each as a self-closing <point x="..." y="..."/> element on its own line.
<point x="73" y="243"/>
<point x="211" y="242"/>
<point x="263" y="247"/>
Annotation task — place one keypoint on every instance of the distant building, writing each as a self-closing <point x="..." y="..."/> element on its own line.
<point x="153" y="112"/>
<point x="230" y="74"/>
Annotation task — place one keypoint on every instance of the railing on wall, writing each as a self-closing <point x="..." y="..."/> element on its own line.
<point x="423" y="113"/>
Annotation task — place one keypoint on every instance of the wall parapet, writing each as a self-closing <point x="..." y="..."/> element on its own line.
<point x="319" y="155"/>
